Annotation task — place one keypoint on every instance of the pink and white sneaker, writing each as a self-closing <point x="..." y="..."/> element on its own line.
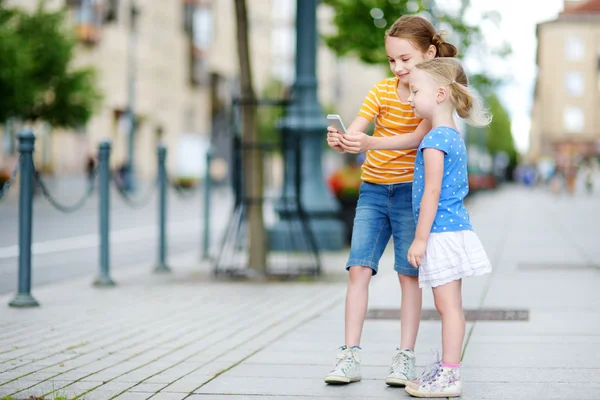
<point x="437" y="382"/>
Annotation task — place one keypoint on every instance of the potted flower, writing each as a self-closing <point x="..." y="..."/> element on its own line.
<point x="345" y="185"/>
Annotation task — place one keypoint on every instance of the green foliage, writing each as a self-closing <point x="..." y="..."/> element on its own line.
<point x="36" y="79"/>
<point x="499" y="135"/>
<point x="359" y="34"/>
<point x="268" y="116"/>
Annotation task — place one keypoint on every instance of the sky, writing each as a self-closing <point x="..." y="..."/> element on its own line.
<point x="517" y="27"/>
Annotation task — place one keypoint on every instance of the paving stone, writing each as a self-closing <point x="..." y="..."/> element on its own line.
<point x="277" y="340"/>
<point x="298" y="387"/>
<point x="539" y="356"/>
<point x="528" y="391"/>
<point x="544" y="374"/>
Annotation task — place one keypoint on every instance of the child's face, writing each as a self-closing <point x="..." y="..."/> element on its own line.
<point x="423" y="94"/>
<point x="403" y="56"/>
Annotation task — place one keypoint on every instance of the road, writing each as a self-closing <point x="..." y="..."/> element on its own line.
<point x="67" y="245"/>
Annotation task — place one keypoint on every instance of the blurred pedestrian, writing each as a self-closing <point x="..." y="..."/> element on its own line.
<point x="589" y="176"/>
<point x="90" y="167"/>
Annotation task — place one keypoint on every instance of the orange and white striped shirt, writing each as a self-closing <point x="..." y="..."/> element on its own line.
<point x="392" y="117"/>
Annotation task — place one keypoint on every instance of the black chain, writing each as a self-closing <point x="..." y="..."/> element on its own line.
<point x="61" y="207"/>
<point x="6" y="185"/>
<point x="139" y="202"/>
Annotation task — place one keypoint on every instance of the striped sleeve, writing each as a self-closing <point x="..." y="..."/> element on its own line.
<point x="370" y="106"/>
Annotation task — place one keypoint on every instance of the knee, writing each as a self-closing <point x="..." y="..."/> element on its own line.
<point x="448" y="308"/>
<point x="359" y="276"/>
<point x="408" y="282"/>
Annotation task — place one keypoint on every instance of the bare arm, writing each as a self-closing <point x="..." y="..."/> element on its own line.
<point x="401" y="142"/>
<point x="360" y="124"/>
<point x="434" y="172"/>
<point x="357" y="142"/>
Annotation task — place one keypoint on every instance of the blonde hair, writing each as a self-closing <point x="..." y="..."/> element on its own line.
<point x="450" y="72"/>
<point x="421" y="34"/>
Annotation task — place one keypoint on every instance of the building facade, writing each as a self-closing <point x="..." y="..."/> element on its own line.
<point x="565" y="115"/>
<point x="182" y="60"/>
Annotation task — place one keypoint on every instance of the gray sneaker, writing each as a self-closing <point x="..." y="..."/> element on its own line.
<point x="402" y="370"/>
<point x="347" y="366"/>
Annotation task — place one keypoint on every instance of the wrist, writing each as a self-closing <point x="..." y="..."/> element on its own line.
<point x="371" y="143"/>
<point x="421" y="237"/>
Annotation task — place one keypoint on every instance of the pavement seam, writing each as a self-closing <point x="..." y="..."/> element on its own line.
<point x="191" y="330"/>
<point x="566" y="237"/>
<point x="488" y="286"/>
<point x="223" y="353"/>
<point x="284" y="333"/>
<point x="60" y="335"/>
<point x="129" y="336"/>
<point x="214" y="331"/>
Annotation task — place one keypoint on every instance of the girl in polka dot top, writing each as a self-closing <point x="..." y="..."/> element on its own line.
<point x="445" y="248"/>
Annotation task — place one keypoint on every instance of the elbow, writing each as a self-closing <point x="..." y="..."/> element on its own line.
<point x="433" y="193"/>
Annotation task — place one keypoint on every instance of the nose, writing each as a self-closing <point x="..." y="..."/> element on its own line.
<point x="410" y="98"/>
<point x="399" y="67"/>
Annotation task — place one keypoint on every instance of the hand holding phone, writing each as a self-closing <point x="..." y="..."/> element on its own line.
<point x="336" y="122"/>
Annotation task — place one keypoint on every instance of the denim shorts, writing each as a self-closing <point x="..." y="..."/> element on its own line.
<point x="383" y="211"/>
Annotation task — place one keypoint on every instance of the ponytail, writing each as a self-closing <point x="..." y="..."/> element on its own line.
<point x="450" y="72"/>
<point x="444" y="49"/>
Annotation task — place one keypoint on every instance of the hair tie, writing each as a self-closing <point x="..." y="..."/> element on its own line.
<point x="437" y="39"/>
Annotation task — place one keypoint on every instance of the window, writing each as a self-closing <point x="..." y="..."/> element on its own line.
<point x="574" y="48"/>
<point x="573" y="119"/>
<point x="88" y="18"/>
<point x="198" y="20"/>
<point x="574" y="83"/>
<point x="111" y="10"/>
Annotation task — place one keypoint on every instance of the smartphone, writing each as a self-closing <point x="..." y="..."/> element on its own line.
<point x="336" y="122"/>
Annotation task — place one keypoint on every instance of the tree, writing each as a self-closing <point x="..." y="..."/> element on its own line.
<point x="37" y="81"/>
<point x="361" y="24"/>
<point x="499" y="135"/>
<point x="251" y="154"/>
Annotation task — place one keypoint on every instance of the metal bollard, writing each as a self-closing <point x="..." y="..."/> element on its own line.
<point x="206" y="207"/>
<point x="104" y="279"/>
<point x="162" y="210"/>
<point x="26" y="147"/>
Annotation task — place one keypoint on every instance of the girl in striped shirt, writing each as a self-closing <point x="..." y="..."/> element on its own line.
<point x="384" y="207"/>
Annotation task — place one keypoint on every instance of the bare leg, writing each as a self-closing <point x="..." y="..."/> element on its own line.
<point x="448" y="301"/>
<point x="410" y="312"/>
<point x="357" y="299"/>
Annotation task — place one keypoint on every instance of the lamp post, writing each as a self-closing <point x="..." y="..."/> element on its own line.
<point x="306" y="126"/>
<point x="131" y="75"/>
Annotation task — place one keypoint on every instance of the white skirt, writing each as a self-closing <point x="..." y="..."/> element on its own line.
<point x="451" y="256"/>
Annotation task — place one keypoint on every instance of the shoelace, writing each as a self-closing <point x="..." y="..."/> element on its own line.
<point x="343" y="357"/>
<point x="401" y="359"/>
<point x="431" y="370"/>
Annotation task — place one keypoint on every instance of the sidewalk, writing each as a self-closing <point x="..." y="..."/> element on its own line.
<point x="185" y="336"/>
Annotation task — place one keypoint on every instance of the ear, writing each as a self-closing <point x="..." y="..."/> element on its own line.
<point x="430" y="53"/>
<point x="442" y="94"/>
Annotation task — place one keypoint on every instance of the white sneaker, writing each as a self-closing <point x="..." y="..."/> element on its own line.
<point x="347" y="366"/>
<point x="402" y="370"/>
